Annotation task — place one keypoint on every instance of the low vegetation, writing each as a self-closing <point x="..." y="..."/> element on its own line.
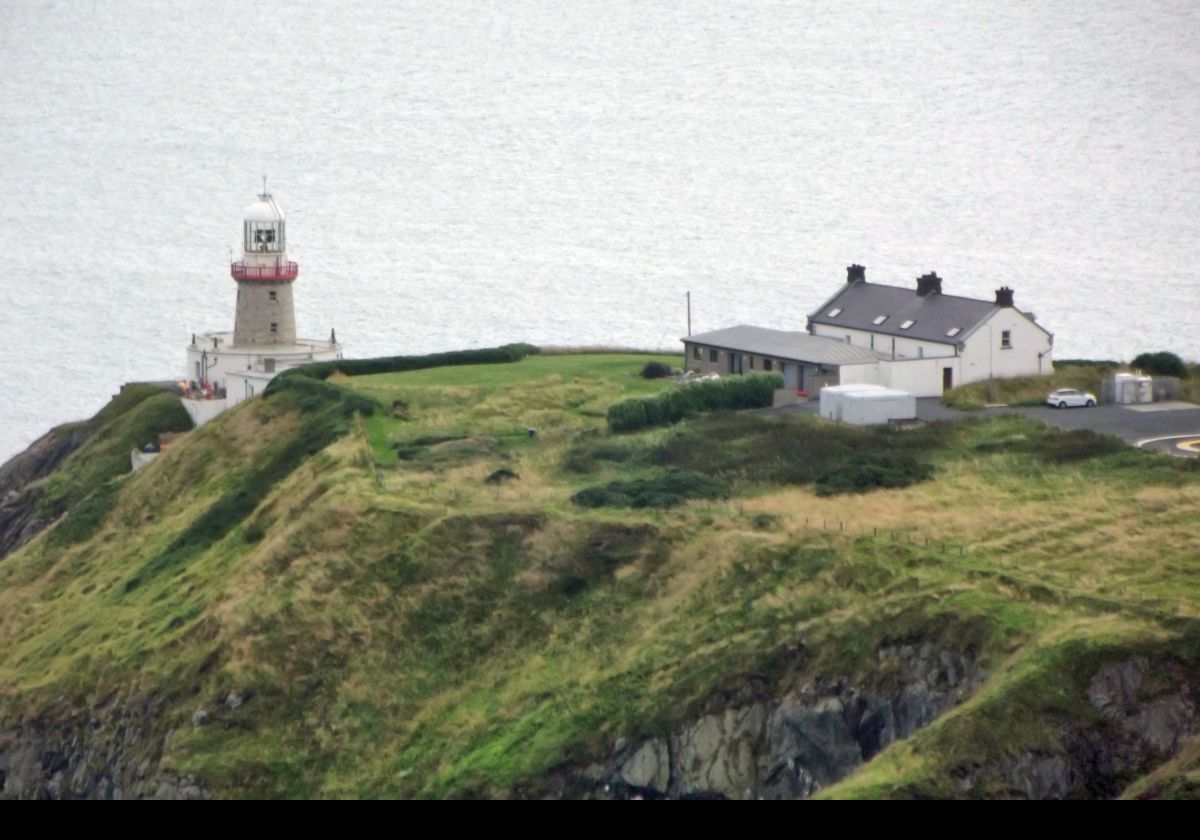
<point x="669" y="407"/>
<point x="408" y="620"/>
<point x="660" y="491"/>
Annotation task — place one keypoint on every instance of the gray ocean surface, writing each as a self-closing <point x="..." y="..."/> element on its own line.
<point x="462" y="174"/>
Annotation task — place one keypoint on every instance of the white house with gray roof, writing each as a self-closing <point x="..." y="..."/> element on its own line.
<point x="918" y="340"/>
<point x="930" y="341"/>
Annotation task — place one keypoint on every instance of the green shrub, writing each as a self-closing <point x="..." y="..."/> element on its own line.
<point x="663" y="491"/>
<point x="755" y="391"/>
<point x="868" y="472"/>
<point x="656" y="370"/>
<point x="1064" y="447"/>
<point x="1163" y="363"/>
<point x="583" y="457"/>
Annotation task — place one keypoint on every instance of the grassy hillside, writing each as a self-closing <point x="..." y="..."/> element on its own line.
<point x="389" y="573"/>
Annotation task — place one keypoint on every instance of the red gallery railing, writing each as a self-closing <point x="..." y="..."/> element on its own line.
<point x="268" y="273"/>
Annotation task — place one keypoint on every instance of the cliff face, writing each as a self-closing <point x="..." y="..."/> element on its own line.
<point x="761" y="741"/>
<point x="112" y="751"/>
<point x="758" y="744"/>
<point x="314" y="596"/>
<point x="66" y="465"/>
<point x="19" y="519"/>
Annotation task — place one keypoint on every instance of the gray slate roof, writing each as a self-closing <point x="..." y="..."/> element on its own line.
<point x="786" y="345"/>
<point x="933" y="315"/>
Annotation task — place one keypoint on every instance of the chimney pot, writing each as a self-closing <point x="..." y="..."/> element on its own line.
<point x="1004" y="296"/>
<point x="929" y="284"/>
<point x="856" y="274"/>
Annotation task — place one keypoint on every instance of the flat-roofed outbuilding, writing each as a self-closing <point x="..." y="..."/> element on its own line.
<point x="807" y="362"/>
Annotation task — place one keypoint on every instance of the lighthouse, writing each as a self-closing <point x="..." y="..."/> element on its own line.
<point x="226" y="368"/>
<point x="264" y="275"/>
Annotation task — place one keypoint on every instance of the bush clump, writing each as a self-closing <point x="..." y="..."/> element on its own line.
<point x="668" y="490"/>
<point x="656" y="370"/>
<point x="868" y="472"/>
<point x="1161" y="363"/>
<point x="754" y="391"/>
<point x="1076" y="445"/>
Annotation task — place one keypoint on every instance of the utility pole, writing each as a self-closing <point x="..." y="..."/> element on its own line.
<point x="689" y="311"/>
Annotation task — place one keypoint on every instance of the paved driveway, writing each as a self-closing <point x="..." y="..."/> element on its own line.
<point x="1180" y="422"/>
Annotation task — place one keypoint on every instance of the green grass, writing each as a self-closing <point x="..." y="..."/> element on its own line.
<point x="404" y="628"/>
<point x="134" y="417"/>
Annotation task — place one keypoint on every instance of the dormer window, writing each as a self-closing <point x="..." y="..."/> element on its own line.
<point x="833" y="313"/>
<point x="953" y="331"/>
<point x="907" y="324"/>
<point x="879" y="320"/>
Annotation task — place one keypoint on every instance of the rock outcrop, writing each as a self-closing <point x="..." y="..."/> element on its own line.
<point x="112" y="752"/>
<point x="788" y="746"/>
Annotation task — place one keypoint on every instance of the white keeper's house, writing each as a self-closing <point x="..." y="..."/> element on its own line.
<point x="916" y="339"/>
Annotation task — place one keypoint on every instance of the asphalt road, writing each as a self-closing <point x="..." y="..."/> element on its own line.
<point x="1181" y="425"/>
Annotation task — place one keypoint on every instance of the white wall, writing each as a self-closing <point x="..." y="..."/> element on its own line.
<point x="859" y="375"/>
<point x="243" y="385"/>
<point x="226" y="359"/>
<point x="919" y="377"/>
<point x="984" y="358"/>
<point x="202" y="411"/>
<point x="905" y="348"/>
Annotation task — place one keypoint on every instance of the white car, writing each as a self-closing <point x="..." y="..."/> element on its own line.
<point x="1064" y="397"/>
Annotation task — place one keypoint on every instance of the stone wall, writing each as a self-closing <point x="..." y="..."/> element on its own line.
<point x="257" y="310"/>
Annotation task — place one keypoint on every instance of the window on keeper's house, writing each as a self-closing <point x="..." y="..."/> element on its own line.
<point x="713" y="355"/>
<point x="751" y="362"/>
<point x="1006" y="340"/>
<point x="767" y="364"/>
<point x="696" y="353"/>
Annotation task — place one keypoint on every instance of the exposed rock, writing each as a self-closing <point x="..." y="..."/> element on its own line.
<point x="718" y="754"/>
<point x="1163" y="723"/>
<point x="748" y="743"/>
<point x="649" y="767"/>
<point x="110" y="752"/>
<point x="1042" y="776"/>
<point x="199" y="717"/>
<point x="1115" y="688"/>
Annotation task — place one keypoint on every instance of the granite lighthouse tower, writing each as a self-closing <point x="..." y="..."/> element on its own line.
<point x="264" y="275"/>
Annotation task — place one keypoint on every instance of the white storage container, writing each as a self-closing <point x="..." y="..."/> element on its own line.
<point x="877" y="407"/>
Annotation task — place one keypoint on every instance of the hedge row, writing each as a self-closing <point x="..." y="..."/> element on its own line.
<point x="394" y="364"/>
<point x="754" y="391"/>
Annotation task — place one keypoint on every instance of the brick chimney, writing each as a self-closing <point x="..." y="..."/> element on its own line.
<point x="929" y="284"/>
<point x="1004" y="296"/>
<point x="856" y="274"/>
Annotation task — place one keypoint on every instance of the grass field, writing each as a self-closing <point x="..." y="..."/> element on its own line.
<point x="406" y="628"/>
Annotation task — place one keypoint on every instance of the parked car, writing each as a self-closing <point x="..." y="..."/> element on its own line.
<point x="1065" y="397"/>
